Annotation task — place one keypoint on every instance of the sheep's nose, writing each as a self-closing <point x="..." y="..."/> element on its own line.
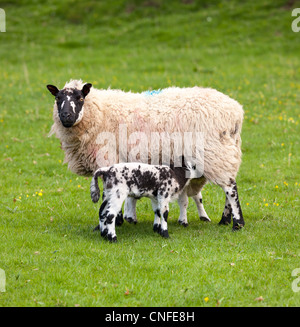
<point x="65" y="115"/>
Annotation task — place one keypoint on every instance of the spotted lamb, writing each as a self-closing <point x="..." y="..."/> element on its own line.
<point x="160" y="183"/>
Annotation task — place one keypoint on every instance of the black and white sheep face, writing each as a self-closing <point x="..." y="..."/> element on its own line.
<point x="70" y="103"/>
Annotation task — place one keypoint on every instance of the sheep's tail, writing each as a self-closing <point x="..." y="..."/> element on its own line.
<point x="94" y="187"/>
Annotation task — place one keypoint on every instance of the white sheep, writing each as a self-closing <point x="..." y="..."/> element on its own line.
<point x="82" y="113"/>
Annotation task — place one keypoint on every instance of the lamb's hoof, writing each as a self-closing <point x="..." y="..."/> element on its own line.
<point x="164" y="233"/>
<point x="203" y="218"/>
<point x="104" y="233"/>
<point x="156" y="228"/>
<point x="112" y="239"/>
<point x="119" y="219"/>
<point x="225" y="220"/>
<point x="183" y="223"/>
<point x="237" y="227"/>
<point x="96" y="228"/>
<point x="130" y="220"/>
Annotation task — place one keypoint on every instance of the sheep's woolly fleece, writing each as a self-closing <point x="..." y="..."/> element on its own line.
<point x="173" y="109"/>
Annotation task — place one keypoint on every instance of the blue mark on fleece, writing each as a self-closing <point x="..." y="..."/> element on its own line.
<point x="152" y="92"/>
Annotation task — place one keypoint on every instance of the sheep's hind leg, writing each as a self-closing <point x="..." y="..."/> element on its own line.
<point x="226" y="216"/>
<point x="233" y="199"/>
<point x="130" y="210"/>
<point x="200" y="207"/>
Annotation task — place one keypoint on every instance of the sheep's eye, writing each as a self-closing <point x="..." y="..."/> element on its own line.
<point x="81" y="99"/>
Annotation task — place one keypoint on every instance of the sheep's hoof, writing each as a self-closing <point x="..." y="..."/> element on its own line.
<point x="111" y="238"/>
<point x="156" y="228"/>
<point x="119" y="219"/>
<point x="96" y="228"/>
<point x="130" y="220"/>
<point x="203" y="218"/>
<point x="183" y="223"/>
<point x="164" y="233"/>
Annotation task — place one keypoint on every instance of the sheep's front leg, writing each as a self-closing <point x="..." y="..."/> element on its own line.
<point x="183" y="202"/>
<point x="201" y="211"/>
<point x="233" y="199"/>
<point x="130" y="210"/>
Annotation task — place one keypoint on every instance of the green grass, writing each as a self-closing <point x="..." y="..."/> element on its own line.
<point x="48" y="249"/>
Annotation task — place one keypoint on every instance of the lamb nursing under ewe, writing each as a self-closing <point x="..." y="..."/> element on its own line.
<point x="83" y="114"/>
<point x="160" y="183"/>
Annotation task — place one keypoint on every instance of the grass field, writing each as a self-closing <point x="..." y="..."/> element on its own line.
<point x="48" y="250"/>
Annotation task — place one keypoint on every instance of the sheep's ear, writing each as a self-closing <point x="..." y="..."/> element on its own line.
<point x="86" y="89"/>
<point x="53" y="89"/>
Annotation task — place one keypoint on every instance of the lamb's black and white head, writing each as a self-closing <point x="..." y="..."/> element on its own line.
<point x="70" y="103"/>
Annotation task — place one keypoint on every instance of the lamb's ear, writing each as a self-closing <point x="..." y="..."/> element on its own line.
<point x="86" y="89"/>
<point x="53" y="89"/>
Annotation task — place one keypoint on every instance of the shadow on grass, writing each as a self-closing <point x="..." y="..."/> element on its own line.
<point x="144" y="230"/>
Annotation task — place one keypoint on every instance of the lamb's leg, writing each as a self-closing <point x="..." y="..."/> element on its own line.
<point x="233" y="199"/>
<point x="164" y="211"/>
<point x="119" y="218"/>
<point x="102" y="221"/>
<point x="201" y="211"/>
<point x="130" y="210"/>
<point x="108" y="217"/>
<point x="183" y="202"/>
<point x="156" y="224"/>
<point x="110" y="223"/>
<point x="226" y="216"/>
